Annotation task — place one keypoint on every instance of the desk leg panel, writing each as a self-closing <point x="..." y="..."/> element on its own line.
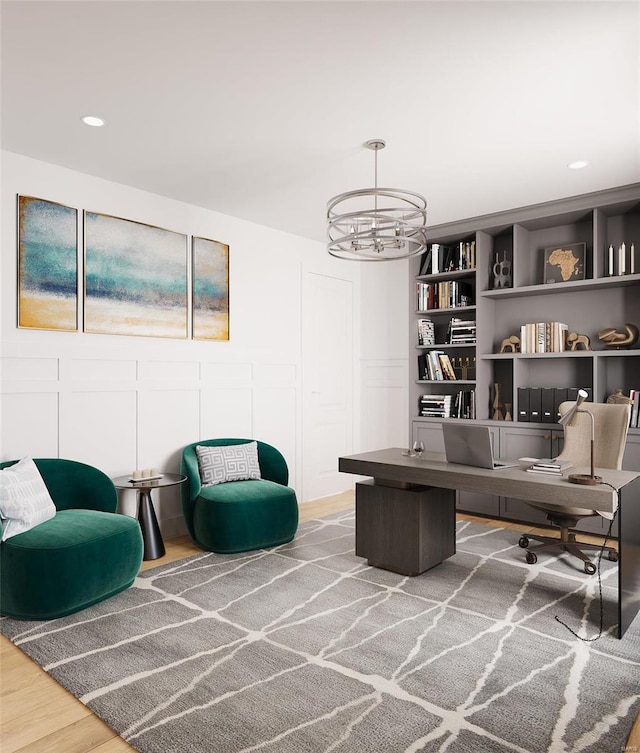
<point x="407" y="531"/>
<point x="629" y="564"/>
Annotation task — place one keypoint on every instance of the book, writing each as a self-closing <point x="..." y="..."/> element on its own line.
<point x="552" y="463"/>
<point x="426" y="332"/>
<point x="433" y="359"/>
<point x="635" y="409"/>
<point x="447" y="366"/>
<point x="552" y="466"/>
<point x="425" y="266"/>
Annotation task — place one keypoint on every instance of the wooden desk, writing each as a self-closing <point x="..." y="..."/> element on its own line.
<point x="405" y="516"/>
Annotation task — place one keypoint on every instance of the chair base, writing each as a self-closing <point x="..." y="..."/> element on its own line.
<point x="567" y="542"/>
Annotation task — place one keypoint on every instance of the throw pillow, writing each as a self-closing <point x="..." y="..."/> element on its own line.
<point x="235" y="462"/>
<point x="25" y="501"/>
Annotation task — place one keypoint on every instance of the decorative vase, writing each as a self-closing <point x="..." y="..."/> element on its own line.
<point x="502" y="273"/>
<point x="507" y="412"/>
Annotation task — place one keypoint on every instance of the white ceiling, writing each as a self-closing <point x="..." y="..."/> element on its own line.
<point x="260" y="109"/>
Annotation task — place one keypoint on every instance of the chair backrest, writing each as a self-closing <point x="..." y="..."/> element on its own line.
<point x="74" y="485"/>
<point x="611" y="422"/>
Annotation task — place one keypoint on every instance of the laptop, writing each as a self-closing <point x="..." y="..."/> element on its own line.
<point x="470" y="444"/>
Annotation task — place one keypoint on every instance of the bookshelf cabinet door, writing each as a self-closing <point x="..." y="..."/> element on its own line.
<point x="430" y="434"/>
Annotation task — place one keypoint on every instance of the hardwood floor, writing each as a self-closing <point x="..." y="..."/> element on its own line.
<point x="39" y="716"/>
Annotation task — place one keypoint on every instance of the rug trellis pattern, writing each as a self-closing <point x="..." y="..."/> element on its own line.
<point x="304" y="648"/>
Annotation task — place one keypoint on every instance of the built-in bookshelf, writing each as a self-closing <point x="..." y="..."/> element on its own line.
<point x="587" y="237"/>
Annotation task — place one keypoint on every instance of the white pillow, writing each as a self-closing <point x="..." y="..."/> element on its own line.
<point x="25" y="501"/>
<point x="234" y="462"/>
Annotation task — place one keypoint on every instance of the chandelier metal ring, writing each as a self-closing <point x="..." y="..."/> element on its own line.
<point x="376" y="224"/>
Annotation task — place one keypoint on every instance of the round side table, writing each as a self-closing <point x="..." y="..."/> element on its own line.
<point x="151" y="536"/>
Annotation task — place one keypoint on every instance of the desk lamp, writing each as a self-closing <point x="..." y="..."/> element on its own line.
<point x="567" y="420"/>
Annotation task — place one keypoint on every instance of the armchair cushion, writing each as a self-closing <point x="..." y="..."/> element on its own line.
<point x="25" y="501"/>
<point x="238" y="462"/>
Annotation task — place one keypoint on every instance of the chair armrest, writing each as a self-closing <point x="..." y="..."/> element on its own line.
<point x="75" y="485"/>
<point x="190" y="490"/>
<point x="273" y="466"/>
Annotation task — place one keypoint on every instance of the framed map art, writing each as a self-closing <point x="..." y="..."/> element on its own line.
<point x="564" y="263"/>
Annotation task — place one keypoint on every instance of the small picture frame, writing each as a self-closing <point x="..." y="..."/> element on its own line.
<point x="564" y="262"/>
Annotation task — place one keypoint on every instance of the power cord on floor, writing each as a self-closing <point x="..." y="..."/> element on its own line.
<point x="600" y="553"/>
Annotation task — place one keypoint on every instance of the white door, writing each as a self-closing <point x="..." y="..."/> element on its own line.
<point x="327" y="357"/>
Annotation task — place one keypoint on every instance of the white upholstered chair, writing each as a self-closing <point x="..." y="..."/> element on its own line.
<point x="611" y="423"/>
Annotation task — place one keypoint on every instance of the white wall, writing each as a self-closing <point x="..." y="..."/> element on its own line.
<point x="130" y="402"/>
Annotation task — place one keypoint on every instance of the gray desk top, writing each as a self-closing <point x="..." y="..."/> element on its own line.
<point x="433" y="470"/>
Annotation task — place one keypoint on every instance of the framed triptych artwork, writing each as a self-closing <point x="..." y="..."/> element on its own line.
<point x="210" y="312"/>
<point x="135" y="278"/>
<point x="47" y="265"/>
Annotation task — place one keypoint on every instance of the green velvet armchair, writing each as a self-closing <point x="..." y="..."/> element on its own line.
<point x="239" y="516"/>
<point x="82" y="555"/>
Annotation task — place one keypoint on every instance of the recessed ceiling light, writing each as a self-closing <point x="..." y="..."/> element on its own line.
<point x="578" y="164"/>
<point x="92" y="120"/>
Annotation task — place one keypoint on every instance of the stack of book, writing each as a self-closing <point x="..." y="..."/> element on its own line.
<point x="464" y="405"/>
<point x="447" y="294"/>
<point x="436" y="406"/>
<point x="543" y="337"/>
<point x="426" y="332"/>
<point x="441" y="258"/>
<point x="550" y="466"/>
<point x="436" y="366"/>
<point x="461" y="332"/>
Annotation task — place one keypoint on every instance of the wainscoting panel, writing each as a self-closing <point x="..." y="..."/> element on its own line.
<point x="226" y="373"/>
<point x="99" y="369"/>
<point x="225" y="412"/>
<point x="274" y="421"/>
<point x="168" y="370"/>
<point x="42" y="369"/>
<point x="167" y="421"/>
<point x="29" y="424"/>
<point x="99" y="428"/>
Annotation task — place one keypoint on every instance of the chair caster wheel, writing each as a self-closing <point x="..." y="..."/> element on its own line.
<point x="531" y="558"/>
<point x="524" y="542"/>
<point x="612" y="555"/>
<point x="589" y="568"/>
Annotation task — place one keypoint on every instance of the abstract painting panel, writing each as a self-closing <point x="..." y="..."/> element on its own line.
<point x="210" y="290"/>
<point x="47" y="265"/>
<point x="135" y="278"/>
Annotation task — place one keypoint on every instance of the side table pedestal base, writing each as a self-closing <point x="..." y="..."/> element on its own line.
<point x="153" y="543"/>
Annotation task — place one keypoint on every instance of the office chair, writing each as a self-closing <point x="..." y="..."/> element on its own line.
<point x="611" y="423"/>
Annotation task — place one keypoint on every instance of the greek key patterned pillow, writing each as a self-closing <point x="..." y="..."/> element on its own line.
<point x="235" y="462"/>
<point x="25" y="501"/>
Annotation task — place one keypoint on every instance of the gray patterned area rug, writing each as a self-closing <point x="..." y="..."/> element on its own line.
<point x="306" y="649"/>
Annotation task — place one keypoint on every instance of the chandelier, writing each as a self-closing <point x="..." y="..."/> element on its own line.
<point x="376" y="224"/>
